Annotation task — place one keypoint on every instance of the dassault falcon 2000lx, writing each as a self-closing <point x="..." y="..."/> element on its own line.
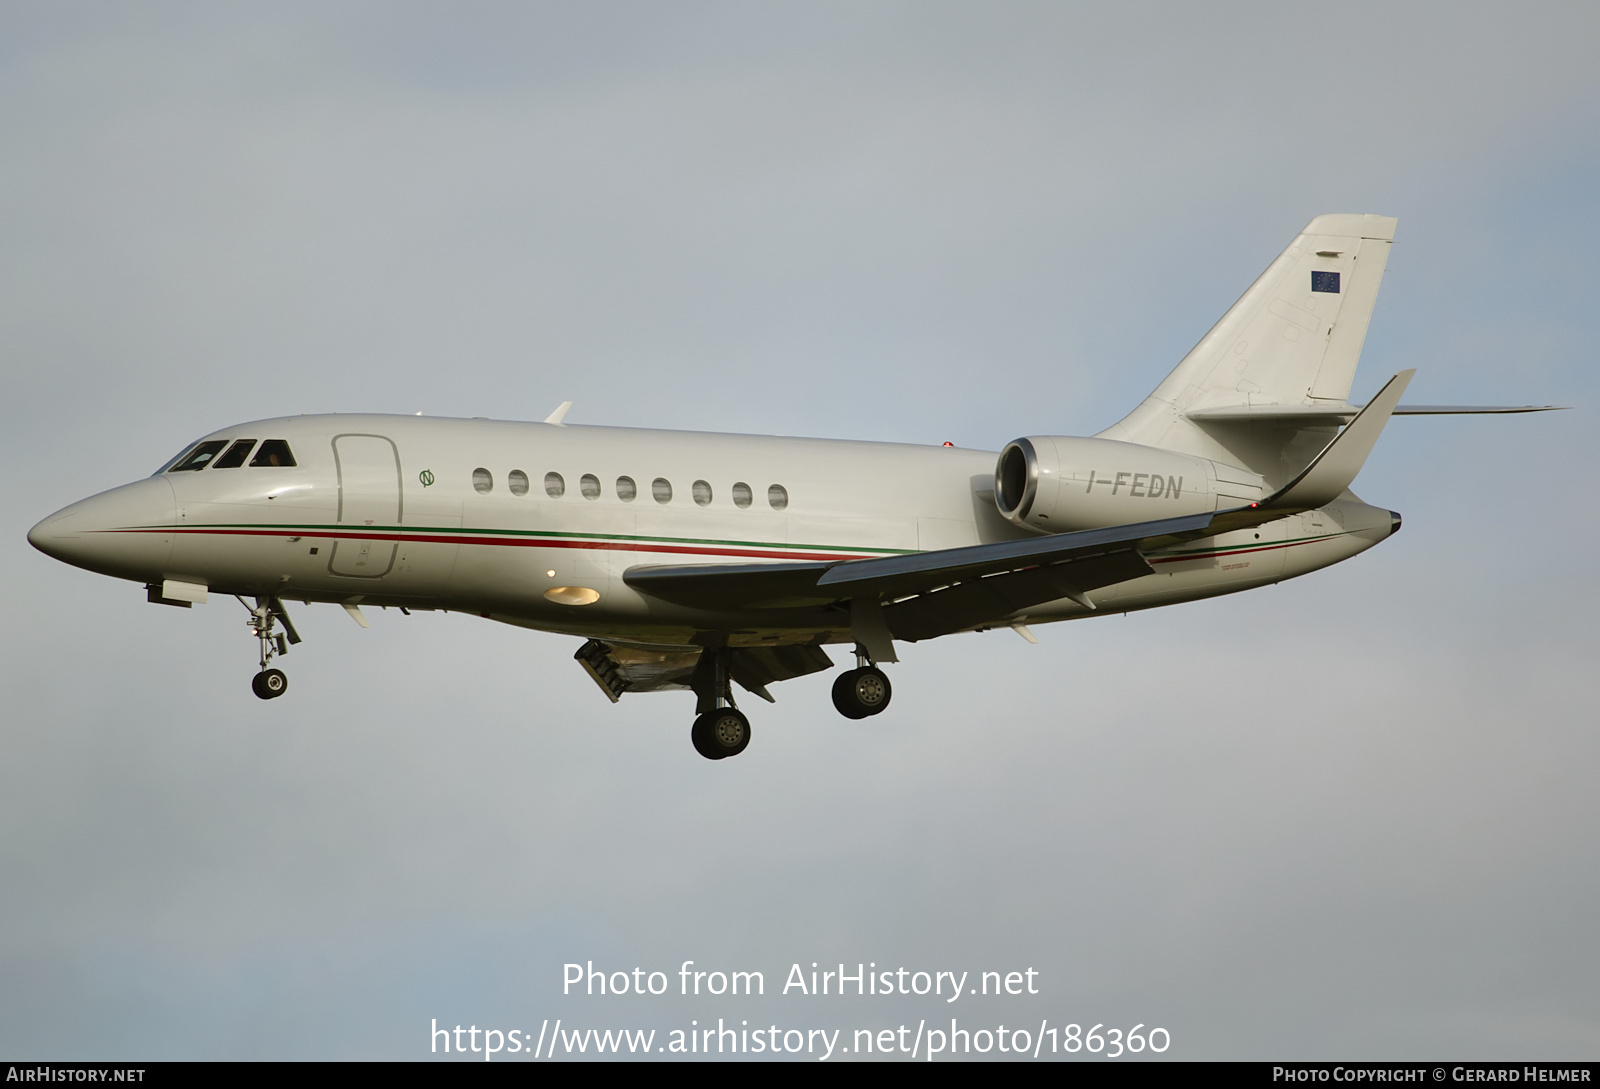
<point x="705" y="561"/>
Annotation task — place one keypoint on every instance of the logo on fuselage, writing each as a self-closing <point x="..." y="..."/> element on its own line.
<point x="426" y="477"/>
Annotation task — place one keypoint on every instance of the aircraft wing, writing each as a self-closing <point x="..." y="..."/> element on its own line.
<point x="790" y="585"/>
<point x="933" y="593"/>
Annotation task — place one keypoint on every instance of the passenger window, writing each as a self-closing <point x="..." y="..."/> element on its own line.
<point x="235" y="455"/>
<point x="626" y="489"/>
<point x="741" y="495"/>
<point x="701" y="492"/>
<point x="589" y="485"/>
<point x="778" y="496"/>
<point x="661" y="488"/>
<point x="274" y="452"/>
<point x="554" y="486"/>
<point x="201" y="457"/>
<point x="483" y="481"/>
<point x="517" y="481"/>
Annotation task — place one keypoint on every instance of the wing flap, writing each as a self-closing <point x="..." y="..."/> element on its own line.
<point x="987" y="600"/>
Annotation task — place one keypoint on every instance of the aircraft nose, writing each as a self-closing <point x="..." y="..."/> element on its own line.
<point x="59" y="535"/>
<point x="119" y="532"/>
<point x="44" y="535"/>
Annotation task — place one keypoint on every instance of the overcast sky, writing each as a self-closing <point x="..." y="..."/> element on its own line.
<point x="1350" y="816"/>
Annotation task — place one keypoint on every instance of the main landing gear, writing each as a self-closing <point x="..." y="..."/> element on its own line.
<point x="269" y="684"/>
<point x="862" y="691"/>
<point x="720" y="729"/>
<point x="720" y="733"/>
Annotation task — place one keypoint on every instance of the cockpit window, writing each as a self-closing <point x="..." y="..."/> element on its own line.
<point x="235" y="455"/>
<point x="200" y="456"/>
<point x="273" y="452"/>
<point x="174" y="459"/>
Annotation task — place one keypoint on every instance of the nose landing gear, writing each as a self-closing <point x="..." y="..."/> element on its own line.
<point x="269" y="684"/>
<point x="862" y="691"/>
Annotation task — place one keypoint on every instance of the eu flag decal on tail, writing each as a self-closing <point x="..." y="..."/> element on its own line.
<point x="1325" y="281"/>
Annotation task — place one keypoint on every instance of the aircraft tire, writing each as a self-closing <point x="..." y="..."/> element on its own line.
<point x="720" y="734"/>
<point x="860" y="693"/>
<point x="269" y="684"/>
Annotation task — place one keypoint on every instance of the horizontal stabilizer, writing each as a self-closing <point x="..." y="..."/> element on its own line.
<point x="1332" y="413"/>
<point x="1472" y="410"/>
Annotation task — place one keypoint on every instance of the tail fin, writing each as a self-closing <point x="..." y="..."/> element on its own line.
<point x="1293" y="339"/>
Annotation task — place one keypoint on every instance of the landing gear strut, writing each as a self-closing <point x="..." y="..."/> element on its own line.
<point x="720" y="730"/>
<point x="862" y="691"/>
<point x="269" y="684"/>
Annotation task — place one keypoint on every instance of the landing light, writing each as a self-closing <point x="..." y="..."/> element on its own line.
<point x="572" y="595"/>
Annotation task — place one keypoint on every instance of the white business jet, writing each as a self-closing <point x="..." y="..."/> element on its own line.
<point x="705" y="561"/>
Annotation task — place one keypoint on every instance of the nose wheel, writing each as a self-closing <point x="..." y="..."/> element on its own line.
<point x="270" y="683"/>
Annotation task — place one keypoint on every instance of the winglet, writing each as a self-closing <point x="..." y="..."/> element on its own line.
<point x="1333" y="470"/>
<point x="559" y="414"/>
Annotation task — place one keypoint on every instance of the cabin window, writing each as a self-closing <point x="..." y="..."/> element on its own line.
<point x="483" y="480"/>
<point x="554" y="486"/>
<point x="200" y="457"/>
<point x="626" y="489"/>
<point x="589" y="485"/>
<point x="235" y="455"/>
<point x="701" y="492"/>
<point x="273" y="452"/>
<point x="661" y="488"/>
<point x="741" y="495"/>
<point x="778" y="496"/>
<point x="517" y="481"/>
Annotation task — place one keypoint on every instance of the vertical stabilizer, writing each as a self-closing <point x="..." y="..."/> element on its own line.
<point x="1294" y="338"/>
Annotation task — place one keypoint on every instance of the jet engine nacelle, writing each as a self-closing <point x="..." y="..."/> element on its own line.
<point x="1053" y="484"/>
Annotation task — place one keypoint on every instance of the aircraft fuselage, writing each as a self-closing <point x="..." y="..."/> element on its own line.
<point x="532" y="524"/>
